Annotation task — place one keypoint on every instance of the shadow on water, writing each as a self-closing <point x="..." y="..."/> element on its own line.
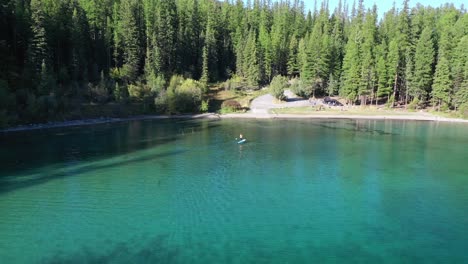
<point x="355" y="126"/>
<point x="8" y="184"/>
<point x="156" y="250"/>
<point x="25" y="152"/>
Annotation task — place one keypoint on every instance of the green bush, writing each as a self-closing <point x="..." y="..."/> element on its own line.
<point x="277" y="86"/>
<point x="184" y="96"/>
<point x="115" y="74"/>
<point x="139" y="91"/>
<point x="161" y="102"/>
<point x="302" y="88"/>
<point x="414" y="104"/>
<point x="444" y="108"/>
<point x="463" y="110"/>
<point x="176" y="81"/>
<point x="155" y="83"/>
<point x="120" y="93"/>
<point x="230" y="106"/>
<point x="204" y="106"/>
<point x="98" y="93"/>
<point x="236" y="83"/>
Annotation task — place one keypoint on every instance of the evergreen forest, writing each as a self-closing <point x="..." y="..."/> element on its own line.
<point x="159" y="56"/>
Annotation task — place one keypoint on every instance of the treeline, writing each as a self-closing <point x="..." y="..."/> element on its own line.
<point x="56" y="55"/>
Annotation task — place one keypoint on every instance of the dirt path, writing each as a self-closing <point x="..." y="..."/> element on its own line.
<point x="262" y="104"/>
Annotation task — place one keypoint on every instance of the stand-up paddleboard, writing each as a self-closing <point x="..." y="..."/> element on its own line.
<point x="241" y="141"/>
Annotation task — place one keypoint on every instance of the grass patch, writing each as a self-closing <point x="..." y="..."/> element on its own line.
<point x="450" y="114"/>
<point x="324" y="110"/>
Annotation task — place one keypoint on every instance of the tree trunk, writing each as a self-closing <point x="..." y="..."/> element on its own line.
<point x="394" y="89"/>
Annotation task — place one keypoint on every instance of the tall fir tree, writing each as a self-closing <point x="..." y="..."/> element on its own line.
<point x="368" y="71"/>
<point x="293" y="67"/>
<point x="132" y="50"/>
<point x="423" y="68"/>
<point x="38" y="48"/>
<point x="442" y="88"/>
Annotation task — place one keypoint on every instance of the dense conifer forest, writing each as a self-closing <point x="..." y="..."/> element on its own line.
<point x="58" y="56"/>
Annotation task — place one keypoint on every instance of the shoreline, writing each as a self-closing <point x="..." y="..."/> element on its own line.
<point x="348" y="116"/>
<point x="97" y="121"/>
<point x="249" y="115"/>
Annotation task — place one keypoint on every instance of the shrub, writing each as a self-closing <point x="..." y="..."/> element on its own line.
<point x="204" y="106"/>
<point x="98" y="93"/>
<point x="120" y="92"/>
<point x="155" y="83"/>
<point x="161" y="102"/>
<point x="444" y="108"/>
<point x="184" y="95"/>
<point x="115" y="74"/>
<point x="277" y="86"/>
<point x="176" y="81"/>
<point x="230" y="106"/>
<point x="463" y="109"/>
<point x="139" y="91"/>
<point x="235" y="83"/>
<point x="302" y="88"/>
<point x="413" y="104"/>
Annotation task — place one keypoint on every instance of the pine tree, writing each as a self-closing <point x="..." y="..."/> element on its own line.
<point x="383" y="87"/>
<point x="166" y="35"/>
<point x="409" y="77"/>
<point x="424" y="58"/>
<point x="38" y="48"/>
<point x="459" y="66"/>
<point x="205" y="73"/>
<point x="393" y="59"/>
<point x="265" y="43"/>
<point x="337" y="47"/>
<point x="461" y="95"/>
<point x="351" y="77"/>
<point x="46" y="82"/>
<point x="293" y="67"/>
<point x="130" y="39"/>
<point x="368" y="72"/>
<point x="251" y="65"/>
<point x="301" y="55"/>
<point x="80" y="45"/>
<point x="442" y="83"/>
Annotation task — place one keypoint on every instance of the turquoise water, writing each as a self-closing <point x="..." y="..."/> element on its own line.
<point x="299" y="191"/>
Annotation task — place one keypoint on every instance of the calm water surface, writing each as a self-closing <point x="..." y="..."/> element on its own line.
<point x="299" y="191"/>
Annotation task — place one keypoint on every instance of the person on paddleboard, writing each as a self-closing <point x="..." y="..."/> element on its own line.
<point x="241" y="139"/>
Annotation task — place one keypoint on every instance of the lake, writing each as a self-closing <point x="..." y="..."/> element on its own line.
<point x="183" y="191"/>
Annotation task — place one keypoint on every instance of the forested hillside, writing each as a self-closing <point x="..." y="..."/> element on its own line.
<point x="57" y="55"/>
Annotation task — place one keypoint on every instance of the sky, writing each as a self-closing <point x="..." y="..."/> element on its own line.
<point x="385" y="5"/>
